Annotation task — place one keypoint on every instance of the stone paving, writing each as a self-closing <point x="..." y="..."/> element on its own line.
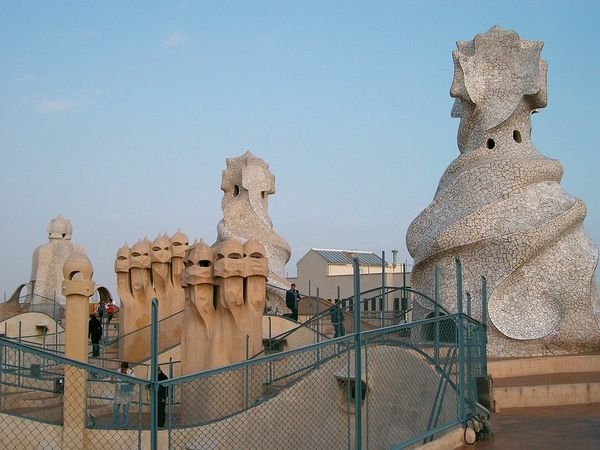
<point x="573" y="427"/>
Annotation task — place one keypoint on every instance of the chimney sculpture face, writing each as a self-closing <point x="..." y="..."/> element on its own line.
<point x="161" y="250"/>
<point x="498" y="77"/>
<point x="225" y="299"/>
<point x="60" y="228"/>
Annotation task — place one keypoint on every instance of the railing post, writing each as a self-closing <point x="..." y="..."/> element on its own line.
<point x="468" y="304"/>
<point x="461" y="345"/>
<point x="383" y="289"/>
<point x="357" y="359"/>
<point x="404" y="298"/>
<point x="2" y="357"/>
<point x="246" y="372"/>
<point x="436" y="314"/>
<point x="317" y="316"/>
<point x="483" y="328"/>
<point x="169" y="404"/>
<point x="318" y="326"/>
<point x="309" y="297"/>
<point x="154" y="377"/>
<point x="270" y="350"/>
<point x="56" y="336"/>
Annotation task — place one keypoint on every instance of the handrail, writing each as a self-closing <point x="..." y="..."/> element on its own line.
<point x="26" y="304"/>
<point x="286" y="375"/>
<point x="347" y="306"/>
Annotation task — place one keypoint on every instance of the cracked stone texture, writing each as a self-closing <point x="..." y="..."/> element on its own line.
<point x="500" y="208"/>
<point x="246" y="185"/>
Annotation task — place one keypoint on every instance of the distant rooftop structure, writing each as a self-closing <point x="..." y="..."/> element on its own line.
<point x="330" y="270"/>
<point x="346" y="256"/>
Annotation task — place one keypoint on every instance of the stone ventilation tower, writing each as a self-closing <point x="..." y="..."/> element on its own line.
<point x="48" y="260"/>
<point x="500" y="208"/>
<point x="147" y="270"/>
<point x="247" y="184"/>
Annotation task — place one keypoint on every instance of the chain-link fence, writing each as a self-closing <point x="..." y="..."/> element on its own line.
<point x="32" y="303"/>
<point x="379" y="308"/>
<point x="392" y="387"/>
<point x="47" y="401"/>
<point x="140" y="338"/>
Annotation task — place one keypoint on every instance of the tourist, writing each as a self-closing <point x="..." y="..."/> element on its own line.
<point x="111" y="310"/>
<point x="95" y="334"/>
<point x="123" y="396"/>
<point x="337" y="319"/>
<point x="101" y="308"/>
<point x="291" y="301"/>
<point x="162" y="398"/>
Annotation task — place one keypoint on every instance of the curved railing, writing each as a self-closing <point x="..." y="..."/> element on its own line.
<point x="380" y="307"/>
<point x="418" y="379"/>
<point x="32" y="303"/>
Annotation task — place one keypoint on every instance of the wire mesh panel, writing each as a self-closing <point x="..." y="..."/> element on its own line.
<point x="117" y="408"/>
<point x="379" y="308"/>
<point x="31" y="386"/>
<point x="474" y="356"/>
<point x="290" y="400"/>
<point x="408" y="394"/>
<point x="414" y="381"/>
<point x="47" y="401"/>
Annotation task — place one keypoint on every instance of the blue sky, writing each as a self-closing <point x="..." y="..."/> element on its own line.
<point x="120" y="115"/>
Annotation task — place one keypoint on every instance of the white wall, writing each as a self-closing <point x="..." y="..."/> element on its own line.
<point x="314" y="269"/>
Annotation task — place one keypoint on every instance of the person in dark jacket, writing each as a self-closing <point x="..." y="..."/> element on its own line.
<point x="95" y="334"/>
<point x="162" y="398"/>
<point x="337" y="319"/>
<point x="291" y="301"/>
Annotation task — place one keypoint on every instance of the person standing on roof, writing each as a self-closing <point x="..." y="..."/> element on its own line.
<point x="111" y="310"/>
<point x="123" y="395"/>
<point x="95" y="334"/>
<point x="337" y="319"/>
<point x="101" y="308"/>
<point x="292" y="297"/>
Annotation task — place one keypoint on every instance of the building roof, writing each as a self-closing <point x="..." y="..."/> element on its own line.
<point x="346" y="256"/>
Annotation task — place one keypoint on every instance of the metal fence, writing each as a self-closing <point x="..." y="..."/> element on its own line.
<point x="54" y="342"/>
<point x="303" y="398"/>
<point x="46" y="401"/>
<point x="377" y="308"/>
<point x="393" y="387"/>
<point x="32" y="303"/>
<point x="142" y="336"/>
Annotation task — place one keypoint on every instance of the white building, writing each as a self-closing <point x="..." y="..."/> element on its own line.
<point x="328" y="269"/>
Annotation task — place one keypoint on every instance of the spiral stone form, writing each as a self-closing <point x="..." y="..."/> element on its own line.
<point x="499" y="207"/>
<point x="246" y="185"/>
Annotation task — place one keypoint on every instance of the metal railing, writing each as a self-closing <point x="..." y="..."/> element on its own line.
<point x="388" y="387"/>
<point x="379" y="308"/>
<point x="292" y="399"/>
<point x="145" y="333"/>
<point x="32" y="303"/>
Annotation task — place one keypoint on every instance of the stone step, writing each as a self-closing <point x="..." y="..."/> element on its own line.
<point x="571" y="388"/>
<point x="516" y="367"/>
<point x="545" y="381"/>
<point x="30" y="400"/>
<point x="47" y="413"/>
